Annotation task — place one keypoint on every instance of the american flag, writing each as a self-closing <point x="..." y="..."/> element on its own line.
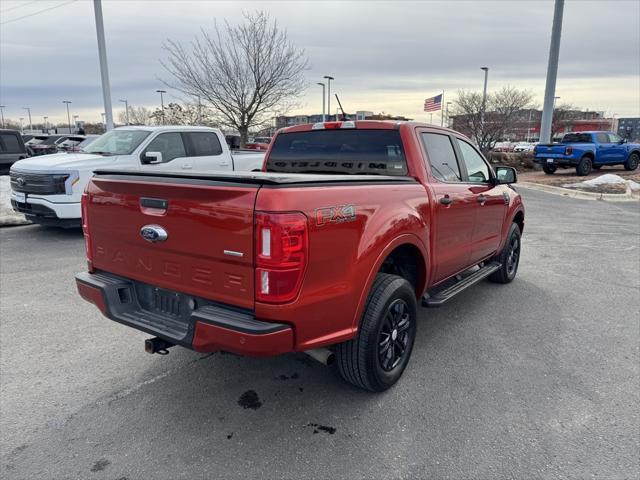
<point x="432" y="104"/>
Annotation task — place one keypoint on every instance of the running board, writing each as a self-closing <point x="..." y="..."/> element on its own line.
<point x="441" y="296"/>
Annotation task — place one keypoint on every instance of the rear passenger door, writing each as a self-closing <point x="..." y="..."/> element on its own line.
<point x="454" y="208"/>
<point x="489" y="200"/>
<point x="205" y="152"/>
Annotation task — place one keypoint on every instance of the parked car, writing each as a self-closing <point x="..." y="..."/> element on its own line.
<point x="259" y="143"/>
<point x="524" y="147"/>
<point x="70" y="143"/>
<point x="586" y="151"/>
<point x="88" y="140"/>
<point x="332" y="262"/>
<point x="26" y="137"/>
<point x="45" y="144"/>
<point x="503" y="147"/>
<point x="47" y="189"/>
<point x="12" y="149"/>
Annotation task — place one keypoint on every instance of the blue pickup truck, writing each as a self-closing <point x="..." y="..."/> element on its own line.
<point x="586" y="151"/>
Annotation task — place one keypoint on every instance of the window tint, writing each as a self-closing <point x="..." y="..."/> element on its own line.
<point x="204" y="144"/>
<point x="477" y="169"/>
<point x="169" y="144"/>
<point x="10" y="144"/>
<point x="602" y="138"/>
<point x="577" y="138"/>
<point x="442" y="157"/>
<point x="613" y="138"/>
<point x="348" y="151"/>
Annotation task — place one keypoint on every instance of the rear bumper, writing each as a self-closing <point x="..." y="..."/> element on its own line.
<point x="192" y="322"/>
<point x="557" y="161"/>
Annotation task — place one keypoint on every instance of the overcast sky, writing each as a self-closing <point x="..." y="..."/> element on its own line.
<point x="385" y="55"/>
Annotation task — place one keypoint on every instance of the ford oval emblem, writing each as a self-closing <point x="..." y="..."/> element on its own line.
<point x="153" y="233"/>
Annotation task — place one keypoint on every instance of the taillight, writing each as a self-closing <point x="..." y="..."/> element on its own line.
<point x="84" y="208"/>
<point x="568" y="150"/>
<point x="282" y="246"/>
<point x="333" y="125"/>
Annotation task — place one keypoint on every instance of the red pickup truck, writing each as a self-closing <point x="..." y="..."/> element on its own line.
<point x="328" y="251"/>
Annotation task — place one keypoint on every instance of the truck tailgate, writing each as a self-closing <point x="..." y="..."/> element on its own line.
<point x="208" y="251"/>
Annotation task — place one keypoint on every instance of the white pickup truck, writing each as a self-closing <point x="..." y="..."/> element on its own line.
<point x="47" y="189"/>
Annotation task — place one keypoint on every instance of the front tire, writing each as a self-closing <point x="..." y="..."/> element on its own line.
<point x="376" y="358"/>
<point x="509" y="257"/>
<point x="549" y="169"/>
<point x="632" y="162"/>
<point x="584" y="167"/>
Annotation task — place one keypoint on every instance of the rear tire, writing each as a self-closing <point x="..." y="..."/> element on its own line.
<point x="632" y="162"/>
<point x="509" y="257"/>
<point x="584" y="167"/>
<point x="549" y="169"/>
<point x="375" y="359"/>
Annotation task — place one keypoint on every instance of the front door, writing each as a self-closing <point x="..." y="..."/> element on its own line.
<point x="454" y="206"/>
<point x="617" y="149"/>
<point x="490" y="203"/>
<point x="174" y="153"/>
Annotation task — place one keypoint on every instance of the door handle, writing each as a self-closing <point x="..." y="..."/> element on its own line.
<point x="446" y="200"/>
<point x="224" y="164"/>
<point x="187" y="166"/>
<point x="482" y="199"/>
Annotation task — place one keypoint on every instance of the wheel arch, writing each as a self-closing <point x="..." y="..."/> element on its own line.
<point x="394" y="258"/>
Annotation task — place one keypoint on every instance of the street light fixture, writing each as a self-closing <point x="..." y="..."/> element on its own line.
<point x="126" y="109"/>
<point x="28" y="109"/>
<point x="161" y="102"/>
<point x="323" y="99"/>
<point x="329" y="78"/>
<point x="67" y="102"/>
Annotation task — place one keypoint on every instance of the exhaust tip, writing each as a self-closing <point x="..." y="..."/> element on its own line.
<point x="322" y="355"/>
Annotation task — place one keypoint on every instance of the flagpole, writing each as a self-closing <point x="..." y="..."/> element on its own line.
<point x="442" y="110"/>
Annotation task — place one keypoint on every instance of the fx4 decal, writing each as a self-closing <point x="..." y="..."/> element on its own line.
<point x="337" y="214"/>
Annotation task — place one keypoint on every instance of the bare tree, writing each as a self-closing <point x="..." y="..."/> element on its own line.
<point x="244" y="72"/>
<point x="501" y="109"/>
<point x="137" y="116"/>
<point x="185" y="114"/>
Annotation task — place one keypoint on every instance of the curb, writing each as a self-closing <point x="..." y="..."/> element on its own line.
<point x="566" y="192"/>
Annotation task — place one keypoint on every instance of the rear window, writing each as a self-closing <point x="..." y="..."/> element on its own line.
<point x="577" y="138"/>
<point x="353" y="151"/>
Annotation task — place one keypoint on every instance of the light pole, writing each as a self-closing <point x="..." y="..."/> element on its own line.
<point x="447" y="114"/>
<point x="329" y="78"/>
<point x="484" y="99"/>
<point x="104" y="124"/>
<point x="67" y="102"/>
<point x="126" y="109"/>
<point x="104" y="69"/>
<point x="552" y="73"/>
<point x="323" y="99"/>
<point x="162" y="103"/>
<point x="28" y="109"/>
<point x="21" y="125"/>
<point x="46" y="124"/>
<point x="2" y="113"/>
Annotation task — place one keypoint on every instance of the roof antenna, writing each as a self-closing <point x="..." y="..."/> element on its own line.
<point x="344" y="115"/>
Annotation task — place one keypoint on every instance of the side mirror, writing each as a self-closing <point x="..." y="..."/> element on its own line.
<point x="152" y="157"/>
<point x="506" y="175"/>
<point x="624" y="140"/>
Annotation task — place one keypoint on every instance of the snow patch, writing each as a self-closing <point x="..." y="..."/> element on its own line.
<point x="7" y="215"/>
<point x="607" y="179"/>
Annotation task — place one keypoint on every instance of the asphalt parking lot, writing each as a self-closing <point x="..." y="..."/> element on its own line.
<point x="536" y="379"/>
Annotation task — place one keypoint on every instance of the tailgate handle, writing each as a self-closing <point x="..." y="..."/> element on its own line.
<point x="158" y="203"/>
